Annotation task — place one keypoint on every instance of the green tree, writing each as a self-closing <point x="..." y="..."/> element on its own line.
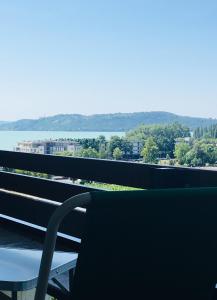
<point x="101" y="139"/>
<point x="163" y="135"/>
<point x="180" y="152"/>
<point x="103" y="154"/>
<point x="117" y="153"/>
<point x="115" y="142"/>
<point x="122" y="143"/>
<point x="201" y="154"/>
<point x="206" y="132"/>
<point x="150" y="152"/>
<point x="89" y="152"/>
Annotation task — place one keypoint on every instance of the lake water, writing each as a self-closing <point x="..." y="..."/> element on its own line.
<point x="9" y="139"/>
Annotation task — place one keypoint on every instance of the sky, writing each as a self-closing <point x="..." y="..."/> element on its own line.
<point x="107" y="56"/>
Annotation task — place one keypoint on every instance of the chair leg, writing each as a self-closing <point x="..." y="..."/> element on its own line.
<point x="14" y="296"/>
<point x="57" y="293"/>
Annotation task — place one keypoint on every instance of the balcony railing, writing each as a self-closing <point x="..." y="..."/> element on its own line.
<point x="27" y="202"/>
<point x="145" y="176"/>
<point x="26" y="198"/>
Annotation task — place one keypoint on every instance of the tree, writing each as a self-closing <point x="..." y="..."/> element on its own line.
<point x="117" y="153"/>
<point x="201" y="154"/>
<point x="206" y="132"/>
<point x="150" y="152"/>
<point x="180" y="152"/>
<point x="101" y="139"/>
<point x="122" y="143"/>
<point x="164" y="136"/>
<point x="103" y="154"/>
<point x="115" y="142"/>
<point x="89" y="152"/>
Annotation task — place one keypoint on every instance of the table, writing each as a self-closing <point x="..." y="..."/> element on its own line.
<point x="20" y="258"/>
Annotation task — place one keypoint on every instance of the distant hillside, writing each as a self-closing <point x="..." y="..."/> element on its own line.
<point x="103" y="122"/>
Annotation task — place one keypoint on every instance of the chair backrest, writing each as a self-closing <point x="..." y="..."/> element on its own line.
<point x="159" y="244"/>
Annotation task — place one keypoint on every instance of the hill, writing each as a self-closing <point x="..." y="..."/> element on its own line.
<point x="103" y="122"/>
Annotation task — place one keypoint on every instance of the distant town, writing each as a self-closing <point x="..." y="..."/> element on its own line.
<point x="77" y="148"/>
<point x="49" y="147"/>
<point x="172" y="144"/>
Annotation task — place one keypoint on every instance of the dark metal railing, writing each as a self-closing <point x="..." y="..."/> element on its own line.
<point x="25" y="206"/>
<point x="107" y="171"/>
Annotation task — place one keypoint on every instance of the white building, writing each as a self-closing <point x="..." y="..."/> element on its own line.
<point x="183" y="140"/>
<point x="31" y="147"/>
<point x="48" y="147"/>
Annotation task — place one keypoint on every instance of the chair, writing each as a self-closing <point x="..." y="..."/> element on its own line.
<point x="153" y="244"/>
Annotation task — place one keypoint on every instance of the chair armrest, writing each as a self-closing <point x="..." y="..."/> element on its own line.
<point x="50" y="240"/>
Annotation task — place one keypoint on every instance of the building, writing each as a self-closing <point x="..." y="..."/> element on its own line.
<point x="185" y="140"/>
<point x="31" y="147"/>
<point x="48" y="146"/>
<point x="137" y="148"/>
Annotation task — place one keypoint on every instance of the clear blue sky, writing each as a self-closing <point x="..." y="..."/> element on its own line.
<point x="105" y="56"/>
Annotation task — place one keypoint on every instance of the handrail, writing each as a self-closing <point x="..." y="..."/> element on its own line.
<point x="108" y="171"/>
